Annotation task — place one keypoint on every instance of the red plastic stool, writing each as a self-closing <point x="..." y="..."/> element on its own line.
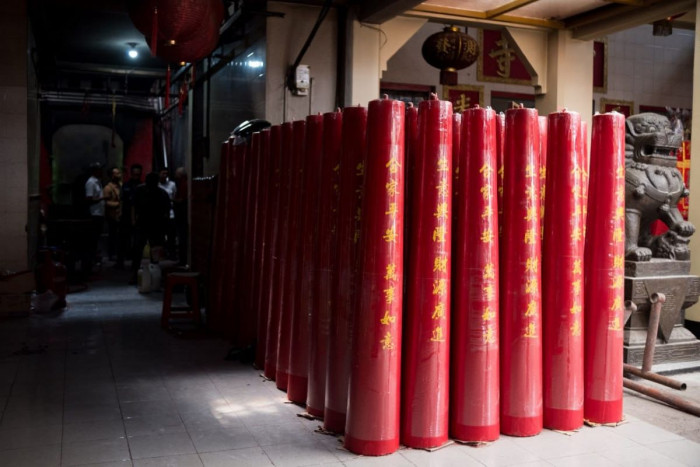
<point x="188" y="279"/>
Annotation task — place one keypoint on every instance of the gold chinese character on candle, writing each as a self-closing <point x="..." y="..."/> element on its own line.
<point x="389" y="294"/>
<point x="439" y="287"/>
<point x="443" y="165"/>
<point x="488" y="314"/>
<point x="392" y="210"/>
<point x="575" y="309"/>
<point x="530" y="236"/>
<point x="618" y="261"/>
<point x="390" y="235"/>
<point x="530" y="331"/>
<point x="530" y="213"/>
<point x="360" y="169"/>
<point x="577" y="267"/>
<point x="489" y="335"/>
<point x="486" y="170"/>
<point x="393" y="165"/>
<point x="576" y="286"/>
<point x="442" y="187"/>
<point x="488" y="212"/>
<point x="576" y="328"/>
<point x="387" y="319"/>
<point x="531" y="308"/>
<point x="576" y="234"/>
<point x="441" y="211"/>
<point x="617" y="282"/>
<point x="440" y="264"/>
<point x="489" y="271"/>
<point x="487" y="236"/>
<point x="531" y="264"/>
<point x="617" y="304"/>
<point x="437" y="335"/>
<point x="618" y="235"/>
<point x="485" y="192"/>
<point x="488" y="292"/>
<point x="439" y="233"/>
<point x="531" y="286"/>
<point x="529" y="171"/>
<point x="390" y="272"/>
<point x="615" y="324"/>
<point x="387" y="342"/>
<point x="391" y="187"/>
<point x="439" y="311"/>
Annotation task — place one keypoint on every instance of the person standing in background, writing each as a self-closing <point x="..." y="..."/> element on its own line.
<point x="126" y="228"/>
<point x="180" y="209"/>
<point x="96" y="205"/>
<point x="113" y="213"/>
<point x="169" y="187"/>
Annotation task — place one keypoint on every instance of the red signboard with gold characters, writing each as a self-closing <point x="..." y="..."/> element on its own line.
<point x="499" y="60"/>
<point x="463" y="96"/>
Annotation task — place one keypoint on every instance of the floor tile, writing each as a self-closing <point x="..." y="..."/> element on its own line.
<point x="38" y="456"/>
<point x="91" y="413"/>
<point x="185" y="460"/>
<point x="142" y="392"/>
<point x="248" y="457"/>
<point x="224" y="439"/>
<point x="395" y="459"/>
<point x="285" y="432"/>
<point x="290" y="455"/>
<point x="94" y="452"/>
<point x="453" y="455"/>
<point x="644" y="433"/>
<point x="89" y="431"/>
<point x="122" y="463"/>
<point x="154" y="425"/>
<point x="168" y="444"/>
<point x="683" y="451"/>
<point x="640" y="456"/>
<point x="583" y="460"/>
<point x="502" y="452"/>
<point x="551" y="444"/>
<point x="149" y="408"/>
<point x="40" y="435"/>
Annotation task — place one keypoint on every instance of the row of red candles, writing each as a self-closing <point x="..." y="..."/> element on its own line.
<point x="366" y="262"/>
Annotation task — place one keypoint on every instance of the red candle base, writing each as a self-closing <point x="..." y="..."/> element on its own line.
<point x="521" y="426"/>
<point x="282" y="379"/>
<point x="296" y="388"/>
<point x="418" y="442"/>
<point x="333" y="421"/>
<point x="603" y="411"/>
<point x="270" y="371"/>
<point x="562" y="419"/>
<point x="475" y="433"/>
<point x="371" y="448"/>
<point x="316" y="412"/>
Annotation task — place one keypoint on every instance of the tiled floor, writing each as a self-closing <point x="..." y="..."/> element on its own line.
<point x="101" y="384"/>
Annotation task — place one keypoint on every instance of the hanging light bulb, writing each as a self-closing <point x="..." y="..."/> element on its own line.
<point x="132" y="52"/>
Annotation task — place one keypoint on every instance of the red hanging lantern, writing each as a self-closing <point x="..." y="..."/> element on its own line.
<point x="450" y="50"/>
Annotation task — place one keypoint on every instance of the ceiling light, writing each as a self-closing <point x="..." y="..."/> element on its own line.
<point x="132" y="52"/>
<point x="255" y="63"/>
<point x="172" y="42"/>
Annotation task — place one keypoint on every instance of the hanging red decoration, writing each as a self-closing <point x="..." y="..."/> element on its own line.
<point x="450" y="50"/>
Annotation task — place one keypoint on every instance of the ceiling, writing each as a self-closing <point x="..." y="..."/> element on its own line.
<point x="82" y="45"/>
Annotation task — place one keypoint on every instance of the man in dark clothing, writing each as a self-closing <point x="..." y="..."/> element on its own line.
<point x="152" y="212"/>
<point x="126" y="227"/>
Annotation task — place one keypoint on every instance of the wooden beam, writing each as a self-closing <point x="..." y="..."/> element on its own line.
<point x="629" y="2"/>
<point x="479" y="17"/>
<point x="380" y="11"/>
<point x="510" y="6"/>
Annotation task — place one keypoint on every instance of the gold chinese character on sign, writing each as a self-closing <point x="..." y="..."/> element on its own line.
<point x="530" y="236"/>
<point x="441" y="211"/>
<point x="530" y="331"/>
<point x="440" y="264"/>
<point x="437" y="335"/>
<point x="387" y="342"/>
<point x="439" y="311"/>
<point x="390" y="272"/>
<point x="393" y="165"/>
<point x="576" y="329"/>
<point x="489" y="335"/>
<point x="488" y="314"/>
<point x="531" y="308"/>
<point x="390" y="235"/>
<point x="439" y="287"/>
<point x="503" y="57"/>
<point x="489" y="272"/>
<point x="387" y="319"/>
<point x="531" y="264"/>
<point x="439" y="234"/>
<point x="389" y="294"/>
<point x="462" y="103"/>
<point x="487" y="236"/>
<point x="392" y="187"/>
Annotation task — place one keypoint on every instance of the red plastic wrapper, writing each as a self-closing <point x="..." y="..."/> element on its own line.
<point x="271" y="194"/>
<point x="474" y="414"/>
<point x="305" y="282"/>
<point x="562" y="276"/>
<point x="345" y="285"/>
<point x="372" y="426"/>
<point x="425" y="389"/>
<point x="290" y="286"/>
<point x="279" y="250"/>
<point x="520" y="318"/>
<point x="325" y="266"/>
<point x="604" y="271"/>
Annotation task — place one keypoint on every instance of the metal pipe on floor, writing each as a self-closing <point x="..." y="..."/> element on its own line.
<point x="655" y="377"/>
<point x="670" y="399"/>
<point x="657" y="301"/>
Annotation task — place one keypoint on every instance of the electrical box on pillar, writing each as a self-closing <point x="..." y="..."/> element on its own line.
<point x="301" y="80"/>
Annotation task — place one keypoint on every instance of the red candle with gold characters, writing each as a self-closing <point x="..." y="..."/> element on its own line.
<point x="604" y="272"/>
<point x="474" y="415"/>
<point x="500" y="153"/>
<point x="346" y="281"/>
<point x="259" y="260"/>
<point x="279" y="251"/>
<point x="425" y="395"/>
<point x="291" y="279"/>
<point x="542" y="120"/>
<point x="456" y="164"/>
<point x="324" y="270"/>
<point x="562" y="276"/>
<point x="520" y="319"/>
<point x="304" y="281"/>
<point x="266" y="282"/>
<point x="372" y="425"/>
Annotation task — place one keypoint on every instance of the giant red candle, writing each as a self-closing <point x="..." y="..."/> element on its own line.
<point x="604" y="271"/>
<point x="279" y="250"/>
<point x="372" y="426"/>
<point x="299" y="350"/>
<point x="425" y="388"/>
<point x="266" y="284"/>
<point x="520" y="319"/>
<point x="500" y="154"/>
<point x="562" y="276"/>
<point x="345" y="284"/>
<point x="542" y="120"/>
<point x="474" y="414"/>
<point x="324" y="270"/>
<point x="291" y="280"/>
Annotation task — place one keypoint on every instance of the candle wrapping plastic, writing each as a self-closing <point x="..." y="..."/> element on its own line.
<point x="303" y="281"/>
<point x="604" y="271"/>
<point x="266" y="283"/>
<point x="325" y="265"/>
<point x="279" y="251"/>
<point x="291" y="279"/>
<point x="562" y="276"/>
<point x="520" y="318"/>
<point x="372" y="425"/>
<point x="425" y="389"/>
<point x="474" y="414"/>
<point x="345" y="283"/>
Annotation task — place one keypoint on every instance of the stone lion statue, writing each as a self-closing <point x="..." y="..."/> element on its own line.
<point x="653" y="187"/>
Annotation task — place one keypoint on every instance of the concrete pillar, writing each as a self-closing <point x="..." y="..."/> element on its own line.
<point x="363" y="68"/>
<point x="569" y="81"/>
<point x="13" y="135"/>
<point x="694" y="183"/>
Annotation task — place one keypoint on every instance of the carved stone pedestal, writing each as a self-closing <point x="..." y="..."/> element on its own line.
<point x="674" y="342"/>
